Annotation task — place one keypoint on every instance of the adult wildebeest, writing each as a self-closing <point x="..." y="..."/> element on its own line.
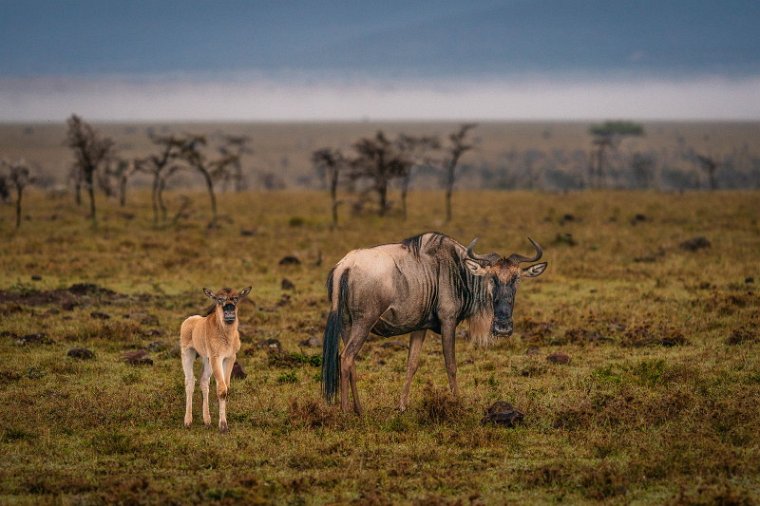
<point x="216" y="339"/>
<point x="425" y="282"/>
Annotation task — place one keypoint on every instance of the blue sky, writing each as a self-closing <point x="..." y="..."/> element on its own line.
<point x="514" y="59"/>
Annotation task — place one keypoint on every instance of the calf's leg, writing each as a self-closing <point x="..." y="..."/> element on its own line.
<point x="221" y="391"/>
<point x="205" y="380"/>
<point x="188" y="357"/>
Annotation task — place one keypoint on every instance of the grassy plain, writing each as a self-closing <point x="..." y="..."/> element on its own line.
<point x="658" y="404"/>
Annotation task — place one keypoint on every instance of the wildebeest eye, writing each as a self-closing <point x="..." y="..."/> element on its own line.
<point x="235" y="300"/>
<point x="220" y="300"/>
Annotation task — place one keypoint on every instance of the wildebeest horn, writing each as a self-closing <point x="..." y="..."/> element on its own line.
<point x="520" y="259"/>
<point x="471" y="254"/>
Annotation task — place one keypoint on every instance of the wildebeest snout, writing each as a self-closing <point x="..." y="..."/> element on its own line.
<point x="502" y="328"/>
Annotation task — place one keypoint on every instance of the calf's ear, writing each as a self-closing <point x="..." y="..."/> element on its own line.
<point x="209" y="293"/>
<point x="244" y="292"/>
<point x="534" y="270"/>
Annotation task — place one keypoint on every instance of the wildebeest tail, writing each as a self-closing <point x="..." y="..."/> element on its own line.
<point x="331" y="341"/>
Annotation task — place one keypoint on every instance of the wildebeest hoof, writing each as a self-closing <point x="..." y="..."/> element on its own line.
<point x="502" y="413"/>
<point x="223" y="427"/>
<point x="188" y="422"/>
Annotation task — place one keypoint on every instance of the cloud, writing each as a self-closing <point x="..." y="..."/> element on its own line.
<point x="256" y="98"/>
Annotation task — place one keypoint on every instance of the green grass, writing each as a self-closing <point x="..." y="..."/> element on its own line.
<point x="656" y="405"/>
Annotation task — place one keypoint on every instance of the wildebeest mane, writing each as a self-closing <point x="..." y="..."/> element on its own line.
<point x="414" y="244"/>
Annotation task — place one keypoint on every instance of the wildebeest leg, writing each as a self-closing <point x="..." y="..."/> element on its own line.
<point x="416" y="339"/>
<point x="448" y="331"/>
<point x="188" y="357"/>
<point x="205" y="379"/>
<point x="356" y="337"/>
<point x="221" y="391"/>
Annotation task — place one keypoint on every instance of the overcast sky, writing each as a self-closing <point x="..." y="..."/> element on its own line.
<point x="312" y="60"/>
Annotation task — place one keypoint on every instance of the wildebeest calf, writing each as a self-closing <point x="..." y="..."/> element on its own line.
<point x="216" y="339"/>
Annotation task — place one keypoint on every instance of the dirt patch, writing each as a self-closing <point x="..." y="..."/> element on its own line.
<point x="312" y="414"/>
<point x="644" y="335"/>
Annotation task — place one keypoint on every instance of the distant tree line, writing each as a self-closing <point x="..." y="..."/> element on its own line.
<point x="376" y="167"/>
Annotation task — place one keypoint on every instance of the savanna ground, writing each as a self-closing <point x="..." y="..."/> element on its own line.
<point x="658" y="403"/>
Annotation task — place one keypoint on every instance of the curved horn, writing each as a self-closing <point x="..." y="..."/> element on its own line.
<point x="520" y="259"/>
<point x="472" y="255"/>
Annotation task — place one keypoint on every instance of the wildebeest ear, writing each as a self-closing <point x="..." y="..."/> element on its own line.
<point x="209" y="293"/>
<point x="244" y="292"/>
<point x="534" y="270"/>
<point x="475" y="267"/>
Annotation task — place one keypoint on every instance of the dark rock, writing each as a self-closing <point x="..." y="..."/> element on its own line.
<point x="639" y="218"/>
<point x="247" y="232"/>
<point x="502" y="413"/>
<point x="68" y="305"/>
<point x="8" y="333"/>
<point x="749" y="280"/>
<point x="287" y="284"/>
<point x="36" y="338"/>
<point x="98" y="315"/>
<point x="137" y="357"/>
<point x="237" y="371"/>
<point x="565" y="238"/>
<point x="290" y="260"/>
<point x="81" y="353"/>
<point x="270" y="344"/>
<point x="559" y="358"/>
<point x="284" y="300"/>
<point x="567" y="217"/>
<point x="312" y="342"/>
<point x="36" y="277"/>
<point x="695" y="244"/>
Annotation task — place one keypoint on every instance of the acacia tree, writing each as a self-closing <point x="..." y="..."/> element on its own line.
<point x="376" y="160"/>
<point x="454" y="151"/>
<point x="234" y="149"/>
<point x="158" y="165"/>
<point x="191" y="152"/>
<point x="19" y="177"/>
<point x="329" y="163"/>
<point x="91" y="153"/>
<point x="710" y="166"/>
<point x="607" y="136"/>
<point x="413" y="152"/>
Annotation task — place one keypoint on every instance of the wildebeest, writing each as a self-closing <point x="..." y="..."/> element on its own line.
<point x="429" y="281"/>
<point x="216" y="339"/>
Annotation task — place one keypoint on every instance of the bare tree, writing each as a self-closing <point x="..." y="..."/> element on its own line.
<point x="329" y="163"/>
<point x="377" y="161"/>
<point x="234" y="148"/>
<point x="607" y="136"/>
<point x="19" y="177"/>
<point x="710" y="166"/>
<point x="91" y="152"/>
<point x="159" y="166"/>
<point x="192" y="153"/>
<point x="455" y="150"/>
<point x="413" y="152"/>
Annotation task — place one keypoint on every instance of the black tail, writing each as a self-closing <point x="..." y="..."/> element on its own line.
<point x="331" y="342"/>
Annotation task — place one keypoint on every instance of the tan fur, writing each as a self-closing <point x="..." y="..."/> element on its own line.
<point x="217" y="343"/>
<point x="479" y="329"/>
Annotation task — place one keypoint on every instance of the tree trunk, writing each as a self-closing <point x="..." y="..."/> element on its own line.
<point x="123" y="191"/>
<point x="154" y="198"/>
<point x="382" y="191"/>
<point x="161" y="203"/>
<point x="78" y="193"/>
<point x="211" y="195"/>
<point x="18" y="207"/>
<point x="91" y="193"/>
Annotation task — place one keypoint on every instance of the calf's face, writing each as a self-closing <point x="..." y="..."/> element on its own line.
<point x="226" y="301"/>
